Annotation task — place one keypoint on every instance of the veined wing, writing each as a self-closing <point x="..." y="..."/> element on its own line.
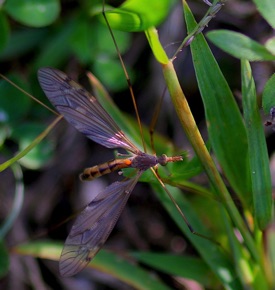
<point x="93" y="226"/>
<point x="82" y="110"/>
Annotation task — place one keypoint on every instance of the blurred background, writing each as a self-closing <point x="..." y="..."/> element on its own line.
<point x="75" y="42"/>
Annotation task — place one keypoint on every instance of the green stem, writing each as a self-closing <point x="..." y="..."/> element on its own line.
<point x="36" y="141"/>
<point x="194" y="136"/>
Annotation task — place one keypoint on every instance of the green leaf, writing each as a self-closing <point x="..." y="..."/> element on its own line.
<point x="82" y="40"/>
<point x="138" y="15"/>
<point x="41" y="153"/>
<point x="132" y="274"/>
<point x="241" y="261"/>
<point x="270" y="44"/>
<point x="270" y="248"/>
<point x="4" y="30"/>
<point x="33" y="144"/>
<point x="28" y="39"/>
<point x="90" y="38"/>
<point x="213" y="255"/>
<point x="109" y="71"/>
<point x="11" y="96"/>
<point x="269" y="95"/>
<point x="267" y="9"/>
<point x="56" y="49"/>
<point x="92" y="43"/>
<point x="239" y="45"/>
<point x="183" y="266"/>
<point x="153" y="39"/>
<point x="258" y="155"/>
<point x="33" y="13"/>
<point x="4" y="261"/>
<point x="225" y="125"/>
<point x="107" y="262"/>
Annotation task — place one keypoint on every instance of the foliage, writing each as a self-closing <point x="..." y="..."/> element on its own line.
<point x="239" y="253"/>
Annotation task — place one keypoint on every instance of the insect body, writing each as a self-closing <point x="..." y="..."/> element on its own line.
<point x="95" y="223"/>
<point x="105" y="168"/>
<point x="141" y="161"/>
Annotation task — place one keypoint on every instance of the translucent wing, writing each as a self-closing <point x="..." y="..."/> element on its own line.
<point x="82" y="110"/>
<point x="93" y="226"/>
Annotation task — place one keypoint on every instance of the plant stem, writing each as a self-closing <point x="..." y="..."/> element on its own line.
<point x="195" y="138"/>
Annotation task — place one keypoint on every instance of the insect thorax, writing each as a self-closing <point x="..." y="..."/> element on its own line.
<point x="144" y="161"/>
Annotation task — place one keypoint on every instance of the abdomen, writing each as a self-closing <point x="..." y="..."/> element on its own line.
<point x="98" y="170"/>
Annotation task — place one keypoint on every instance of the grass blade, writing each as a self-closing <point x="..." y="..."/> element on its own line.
<point x="105" y="261"/>
<point x="225" y="125"/>
<point x="258" y="155"/>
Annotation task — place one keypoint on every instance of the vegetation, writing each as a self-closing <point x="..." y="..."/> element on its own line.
<point x="223" y="187"/>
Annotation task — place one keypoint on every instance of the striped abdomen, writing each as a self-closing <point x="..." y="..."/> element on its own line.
<point x="98" y="170"/>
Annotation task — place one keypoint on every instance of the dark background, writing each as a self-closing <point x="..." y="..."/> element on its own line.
<point x="54" y="192"/>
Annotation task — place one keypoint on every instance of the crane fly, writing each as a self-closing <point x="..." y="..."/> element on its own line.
<point x="95" y="223"/>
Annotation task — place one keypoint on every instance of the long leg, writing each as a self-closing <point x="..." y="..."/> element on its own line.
<point x="151" y="128"/>
<point x="127" y="77"/>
